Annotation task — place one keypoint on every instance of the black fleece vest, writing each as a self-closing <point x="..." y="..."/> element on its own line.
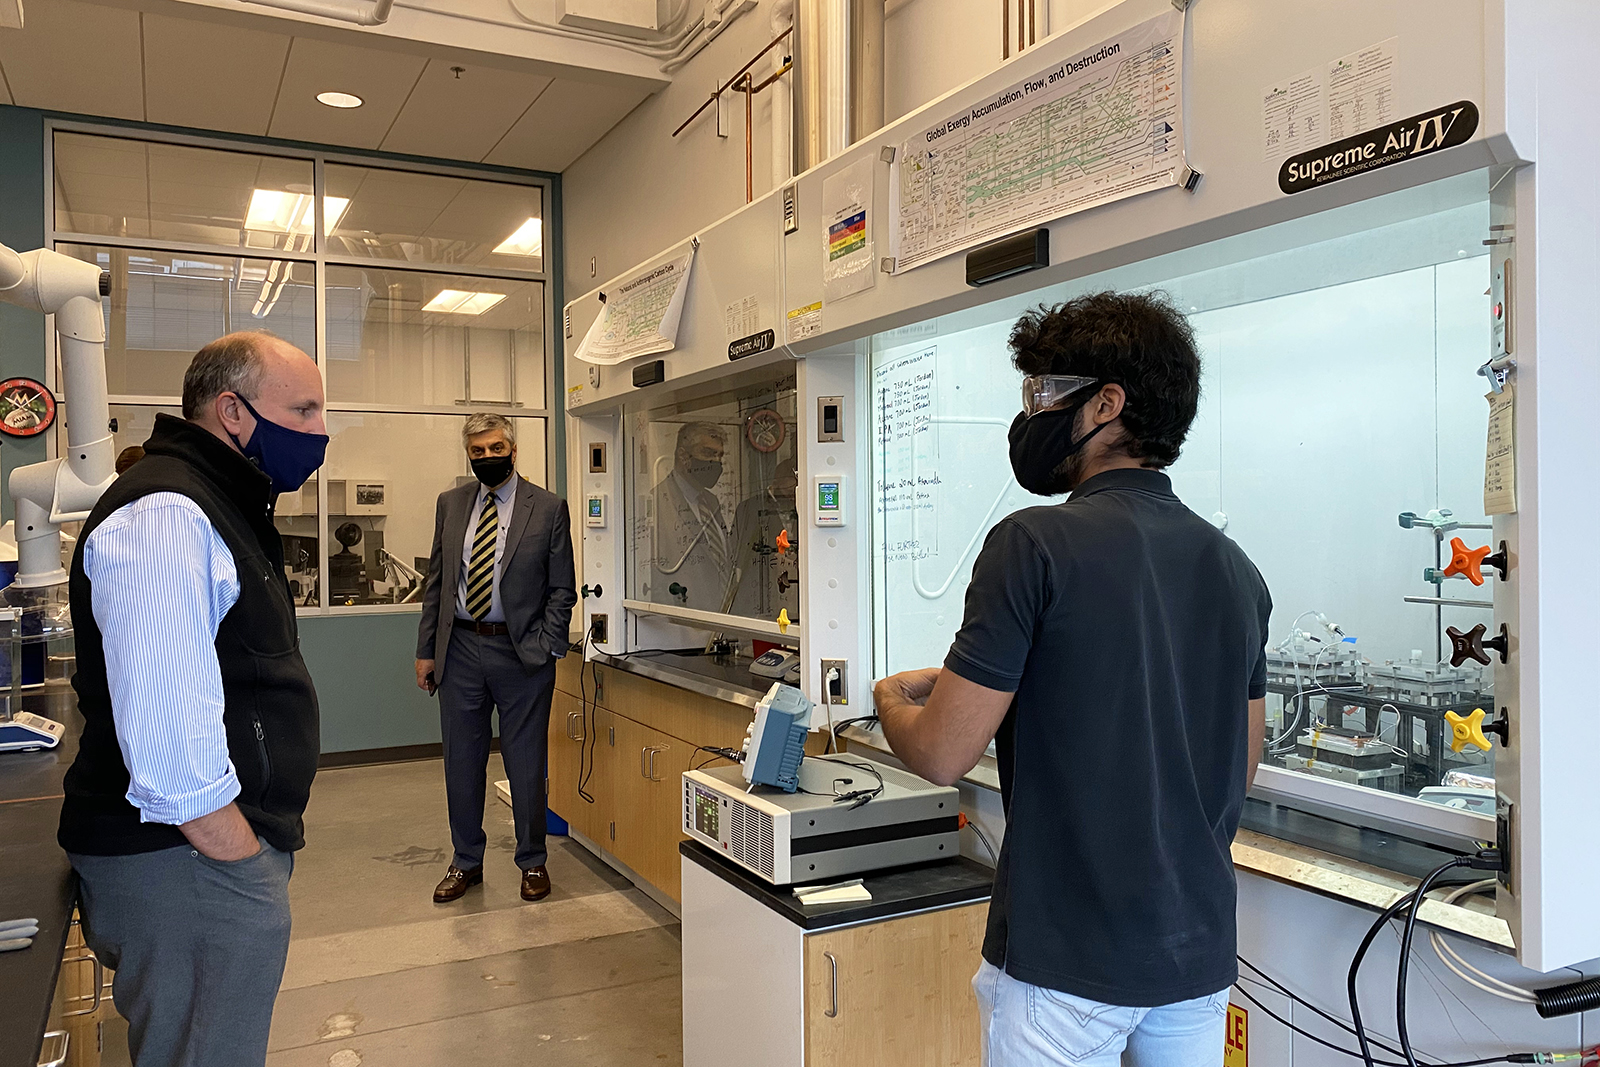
<point x="270" y="707"/>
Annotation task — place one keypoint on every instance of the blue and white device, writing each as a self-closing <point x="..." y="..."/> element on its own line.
<point x="776" y="742"/>
<point x="29" y="733"/>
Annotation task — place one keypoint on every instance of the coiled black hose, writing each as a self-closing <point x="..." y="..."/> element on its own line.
<point x="1568" y="999"/>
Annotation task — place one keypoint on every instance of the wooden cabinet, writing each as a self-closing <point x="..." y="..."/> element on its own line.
<point x="895" y="994"/>
<point x="78" y="1009"/>
<point x="637" y="736"/>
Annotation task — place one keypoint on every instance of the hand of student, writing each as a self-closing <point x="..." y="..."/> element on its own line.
<point x="424" y="668"/>
<point x="907" y="687"/>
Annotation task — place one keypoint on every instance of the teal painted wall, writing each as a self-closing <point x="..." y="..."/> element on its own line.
<point x="366" y="681"/>
<point x="22" y="340"/>
<point x="362" y="664"/>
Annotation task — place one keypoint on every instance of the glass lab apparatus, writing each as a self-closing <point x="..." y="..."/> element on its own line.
<point x="1340" y="441"/>
<point x="36" y="638"/>
<point x="713" y="528"/>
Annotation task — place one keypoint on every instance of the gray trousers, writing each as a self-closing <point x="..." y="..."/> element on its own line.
<point x="481" y="675"/>
<point x="198" y="946"/>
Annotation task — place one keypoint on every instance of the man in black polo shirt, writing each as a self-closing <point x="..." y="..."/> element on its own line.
<point x="1114" y="648"/>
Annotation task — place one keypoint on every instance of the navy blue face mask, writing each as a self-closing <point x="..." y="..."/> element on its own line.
<point x="286" y="456"/>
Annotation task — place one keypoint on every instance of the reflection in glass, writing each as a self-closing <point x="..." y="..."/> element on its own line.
<point x="385" y="473"/>
<point x="295" y="515"/>
<point x="1297" y="453"/>
<point x="434" y="218"/>
<point x="165" y="306"/>
<point x="121" y="187"/>
<point x="409" y="338"/>
<point x="714" y="479"/>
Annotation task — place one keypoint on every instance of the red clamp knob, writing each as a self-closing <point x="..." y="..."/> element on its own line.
<point x="1467" y="561"/>
<point x="1474" y="646"/>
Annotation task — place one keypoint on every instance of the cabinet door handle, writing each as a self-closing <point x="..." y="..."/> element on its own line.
<point x="644" y="763"/>
<point x="87" y="956"/>
<point x="833" y="969"/>
<point x="654" y="752"/>
<point x="58" y="1055"/>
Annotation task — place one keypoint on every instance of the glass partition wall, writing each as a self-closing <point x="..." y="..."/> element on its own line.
<point x="1340" y="442"/>
<point x="422" y="294"/>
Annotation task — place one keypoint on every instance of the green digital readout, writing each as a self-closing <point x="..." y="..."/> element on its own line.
<point x="594" y="507"/>
<point x="828" y="496"/>
<point x="705" y="813"/>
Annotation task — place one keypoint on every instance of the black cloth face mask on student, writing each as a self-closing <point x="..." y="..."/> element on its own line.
<point x="492" y="471"/>
<point x="1041" y="443"/>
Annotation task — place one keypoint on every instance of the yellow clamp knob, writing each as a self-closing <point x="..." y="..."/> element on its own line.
<point x="783" y="628"/>
<point x="1466" y="729"/>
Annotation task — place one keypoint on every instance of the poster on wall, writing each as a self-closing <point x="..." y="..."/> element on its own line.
<point x="847" y="263"/>
<point x="1105" y="125"/>
<point x="641" y="315"/>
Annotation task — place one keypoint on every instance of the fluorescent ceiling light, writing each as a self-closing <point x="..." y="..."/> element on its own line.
<point x="460" y="302"/>
<point x="277" y="211"/>
<point x="339" y="99"/>
<point x="527" y="241"/>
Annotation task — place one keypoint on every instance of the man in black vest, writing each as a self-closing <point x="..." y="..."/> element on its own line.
<point x="200" y="738"/>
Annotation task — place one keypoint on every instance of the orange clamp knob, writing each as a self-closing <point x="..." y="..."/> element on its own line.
<point x="1466" y="730"/>
<point x="1467" y="561"/>
<point x="782" y="541"/>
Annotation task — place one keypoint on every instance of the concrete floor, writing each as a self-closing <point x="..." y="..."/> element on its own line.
<point x="380" y="976"/>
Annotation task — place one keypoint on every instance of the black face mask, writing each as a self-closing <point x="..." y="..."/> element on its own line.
<point x="493" y="470"/>
<point x="704" y="472"/>
<point x="1040" y="445"/>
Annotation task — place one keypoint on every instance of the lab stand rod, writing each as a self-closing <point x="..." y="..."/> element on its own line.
<point x="731" y="82"/>
<point x="1450" y="602"/>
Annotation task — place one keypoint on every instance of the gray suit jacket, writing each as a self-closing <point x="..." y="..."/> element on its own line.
<point x="537" y="585"/>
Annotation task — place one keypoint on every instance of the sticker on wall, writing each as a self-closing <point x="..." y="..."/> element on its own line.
<point x="26" y="408"/>
<point x="1419" y="135"/>
<point x="1336" y="100"/>
<point x="749" y="346"/>
<point x="847" y="263"/>
<point x="1236" y="1047"/>
<point x="765" y="430"/>
<point x="803" y="322"/>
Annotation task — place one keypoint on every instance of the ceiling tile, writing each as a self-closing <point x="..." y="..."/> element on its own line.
<point x="76" y="57"/>
<point x="562" y="124"/>
<point x="462" y="117"/>
<point x="382" y="79"/>
<point x="211" y="76"/>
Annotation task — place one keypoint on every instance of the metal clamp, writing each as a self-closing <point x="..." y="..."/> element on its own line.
<point x="87" y="956"/>
<point x="833" y="965"/>
<point x="60" y="1052"/>
<point x="1497" y="371"/>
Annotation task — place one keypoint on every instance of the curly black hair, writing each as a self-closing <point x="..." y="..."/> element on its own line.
<point x="1137" y="340"/>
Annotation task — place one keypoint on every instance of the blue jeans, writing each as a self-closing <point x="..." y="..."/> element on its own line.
<point x="1029" y="1026"/>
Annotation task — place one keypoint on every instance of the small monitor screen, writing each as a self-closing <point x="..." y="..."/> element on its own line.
<point x="594" y="507"/>
<point x="705" y="813"/>
<point x="828" y="496"/>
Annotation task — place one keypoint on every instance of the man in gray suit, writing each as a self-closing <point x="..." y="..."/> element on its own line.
<point x="499" y="598"/>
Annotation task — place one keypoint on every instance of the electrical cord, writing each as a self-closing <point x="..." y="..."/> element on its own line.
<point x="1447" y="953"/>
<point x="1402" y="972"/>
<point x="586" y="743"/>
<point x="856" y="797"/>
<point x="963" y="821"/>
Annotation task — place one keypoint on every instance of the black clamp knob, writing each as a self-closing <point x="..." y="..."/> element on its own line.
<point x="1474" y="646"/>
<point x="1500" y="561"/>
<point x="1500" y="727"/>
<point x="592" y="590"/>
<point x="680" y="591"/>
<point x="105" y="283"/>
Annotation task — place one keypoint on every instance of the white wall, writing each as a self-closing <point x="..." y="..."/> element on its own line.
<point x="640" y="190"/>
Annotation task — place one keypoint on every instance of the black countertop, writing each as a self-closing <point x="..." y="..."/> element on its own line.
<point x="901" y="891"/>
<point x="35" y="879"/>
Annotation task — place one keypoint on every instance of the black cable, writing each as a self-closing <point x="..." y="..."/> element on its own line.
<point x="585" y="743"/>
<point x="1355" y="969"/>
<point x="1329" y="1016"/>
<point x="1402" y="972"/>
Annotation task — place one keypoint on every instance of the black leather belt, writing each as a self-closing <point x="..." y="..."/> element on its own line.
<point x="484" y="629"/>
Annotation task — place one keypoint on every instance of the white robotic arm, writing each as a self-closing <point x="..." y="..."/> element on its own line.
<point x="62" y="490"/>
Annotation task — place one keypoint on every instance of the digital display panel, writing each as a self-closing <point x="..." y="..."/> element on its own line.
<point x="828" y="496"/>
<point x="705" y="813"/>
<point x="594" y="507"/>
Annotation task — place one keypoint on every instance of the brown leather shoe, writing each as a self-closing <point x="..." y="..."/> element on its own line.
<point x="535" y="883"/>
<point x="456" y="883"/>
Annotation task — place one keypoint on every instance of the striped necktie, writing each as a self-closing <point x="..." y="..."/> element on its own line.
<point x="480" y="573"/>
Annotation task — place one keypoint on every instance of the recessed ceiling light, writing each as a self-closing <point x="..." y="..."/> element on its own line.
<point x="527" y="241"/>
<point x="460" y="302"/>
<point x="339" y="99"/>
<point x="280" y="211"/>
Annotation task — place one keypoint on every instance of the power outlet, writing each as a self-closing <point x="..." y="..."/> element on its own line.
<point x="597" y="628"/>
<point x="836" y="689"/>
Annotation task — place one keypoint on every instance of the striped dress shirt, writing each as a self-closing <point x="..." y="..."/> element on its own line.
<point x="162" y="579"/>
<point x="504" y="498"/>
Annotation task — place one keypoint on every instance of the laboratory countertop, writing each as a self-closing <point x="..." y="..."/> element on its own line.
<point x="1367" y="868"/>
<point x="35" y="878"/>
<point x="719" y="677"/>
<point x="902" y="891"/>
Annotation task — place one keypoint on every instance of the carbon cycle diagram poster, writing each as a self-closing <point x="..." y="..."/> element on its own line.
<point x="1105" y="125"/>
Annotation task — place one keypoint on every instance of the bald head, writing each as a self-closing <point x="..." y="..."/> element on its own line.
<point x="276" y="378"/>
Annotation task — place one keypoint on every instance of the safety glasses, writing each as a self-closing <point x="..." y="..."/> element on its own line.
<point x="1041" y="392"/>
